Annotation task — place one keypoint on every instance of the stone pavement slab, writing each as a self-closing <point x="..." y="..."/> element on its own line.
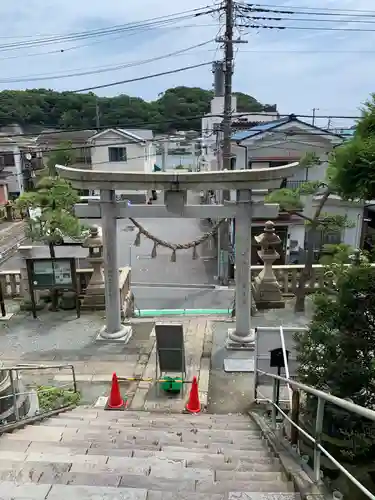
<point x="150" y="397"/>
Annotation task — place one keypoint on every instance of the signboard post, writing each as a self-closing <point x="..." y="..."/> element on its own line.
<point x="47" y="273"/>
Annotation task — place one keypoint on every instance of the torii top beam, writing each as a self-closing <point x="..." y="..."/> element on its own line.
<point x="252" y="179"/>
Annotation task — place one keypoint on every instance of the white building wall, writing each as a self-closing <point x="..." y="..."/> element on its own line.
<point x="14" y="181"/>
<point x="135" y="154"/>
<point x="141" y="157"/>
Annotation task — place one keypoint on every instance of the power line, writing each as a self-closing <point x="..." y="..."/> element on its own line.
<point x="309" y="20"/>
<point x="328" y="9"/>
<point x="310" y="28"/>
<point x="159" y="21"/>
<point x="155" y="123"/>
<point x="141" y="78"/>
<point x="104" y="69"/>
<point x="287" y="11"/>
<point x="95" y="42"/>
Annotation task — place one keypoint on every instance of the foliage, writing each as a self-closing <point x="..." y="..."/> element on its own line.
<point x="366" y="125"/>
<point x="352" y="166"/>
<point x="42" y="108"/>
<point x="54" y="200"/>
<point x="51" y="398"/>
<point x="293" y="201"/>
<point x="340" y="254"/>
<point x="63" y="155"/>
<point x="342" y="335"/>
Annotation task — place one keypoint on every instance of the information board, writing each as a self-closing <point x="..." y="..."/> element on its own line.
<point x="49" y="274"/>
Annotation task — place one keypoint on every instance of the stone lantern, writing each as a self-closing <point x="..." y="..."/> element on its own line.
<point x="95" y="292"/>
<point x="267" y="291"/>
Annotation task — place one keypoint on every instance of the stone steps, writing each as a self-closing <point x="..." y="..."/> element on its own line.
<point x="89" y="454"/>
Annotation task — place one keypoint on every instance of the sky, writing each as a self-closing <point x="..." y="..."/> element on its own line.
<point x="332" y="71"/>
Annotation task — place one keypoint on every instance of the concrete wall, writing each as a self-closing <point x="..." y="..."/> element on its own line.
<point x="14" y="180"/>
<point x="136" y="154"/>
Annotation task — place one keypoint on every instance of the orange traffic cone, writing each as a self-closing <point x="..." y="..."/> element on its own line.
<point x="193" y="405"/>
<point x="115" y="401"/>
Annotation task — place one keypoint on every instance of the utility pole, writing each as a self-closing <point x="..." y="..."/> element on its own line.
<point x="97" y="114"/>
<point x="314" y="110"/>
<point x="165" y="151"/>
<point x="228" y="42"/>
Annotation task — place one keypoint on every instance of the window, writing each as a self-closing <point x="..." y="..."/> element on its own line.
<point x="117" y="154"/>
<point x="7" y="159"/>
<point x="321" y="238"/>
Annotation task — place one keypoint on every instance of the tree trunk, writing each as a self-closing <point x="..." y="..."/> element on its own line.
<point x="54" y="292"/>
<point x="306" y="271"/>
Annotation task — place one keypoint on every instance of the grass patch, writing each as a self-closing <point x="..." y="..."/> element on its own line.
<point x="52" y="398"/>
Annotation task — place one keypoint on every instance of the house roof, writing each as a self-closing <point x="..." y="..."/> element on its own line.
<point x="269" y="126"/>
<point x="119" y="131"/>
<point x="146" y="134"/>
<point x="76" y="136"/>
<point x="258" y="129"/>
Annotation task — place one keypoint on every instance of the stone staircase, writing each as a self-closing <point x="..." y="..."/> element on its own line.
<point x="102" y="455"/>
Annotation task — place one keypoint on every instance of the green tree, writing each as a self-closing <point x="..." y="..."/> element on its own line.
<point x="336" y="254"/>
<point x="293" y="202"/>
<point x="352" y="167"/>
<point x="36" y="109"/>
<point x="342" y="334"/>
<point x="62" y="155"/>
<point x="52" y="209"/>
<point x="51" y="214"/>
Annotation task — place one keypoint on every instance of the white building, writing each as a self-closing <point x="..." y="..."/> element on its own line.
<point x="283" y="141"/>
<point x="119" y="150"/>
<point x="211" y="123"/>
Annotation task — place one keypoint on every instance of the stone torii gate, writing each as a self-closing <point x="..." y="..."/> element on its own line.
<point x="175" y="187"/>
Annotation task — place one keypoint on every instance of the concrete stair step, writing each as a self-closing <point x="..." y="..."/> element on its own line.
<point x="10" y="490"/>
<point x="158" y="495"/>
<point x="158" y="424"/>
<point x="91" y="414"/>
<point x="57" y="492"/>
<point x="245" y="486"/>
<point x="90" y="454"/>
<point x="56" y="434"/>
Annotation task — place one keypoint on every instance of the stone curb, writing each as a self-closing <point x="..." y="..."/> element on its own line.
<point x="293" y="469"/>
<point x="205" y="365"/>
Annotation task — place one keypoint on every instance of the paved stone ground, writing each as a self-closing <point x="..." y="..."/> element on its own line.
<point x="197" y="336"/>
<point x="234" y="392"/>
<point x="62" y="338"/>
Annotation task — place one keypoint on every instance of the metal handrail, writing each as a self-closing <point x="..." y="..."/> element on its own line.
<point x="323" y="397"/>
<point x="286" y="366"/>
<point x="27" y="367"/>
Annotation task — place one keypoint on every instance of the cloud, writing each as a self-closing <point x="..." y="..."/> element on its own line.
<point x="297" y="69"/>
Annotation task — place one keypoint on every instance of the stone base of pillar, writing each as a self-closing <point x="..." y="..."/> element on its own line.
<point x="26" y="305"/>
<point x="123" y="335"/>
<point x="263" y="305"/>
<point x="239" y="343"/>
<point x="6" y="317"/>
<point x="94" y="299"/>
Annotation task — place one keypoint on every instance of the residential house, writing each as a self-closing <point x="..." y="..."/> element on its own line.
<point x="19" y="159"/>
<point x="50" y="140"/>
<point x="212" y="125"/>
<point x="284" y="141"/>
<point x="122" y="150"/>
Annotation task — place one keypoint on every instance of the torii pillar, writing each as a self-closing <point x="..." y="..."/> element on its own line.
<point x="175" y="187"/>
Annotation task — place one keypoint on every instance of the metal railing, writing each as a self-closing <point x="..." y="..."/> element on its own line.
<point x="286" y="365"/>
<point x="10" y="381"/>
<point x="323" y="398"/>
